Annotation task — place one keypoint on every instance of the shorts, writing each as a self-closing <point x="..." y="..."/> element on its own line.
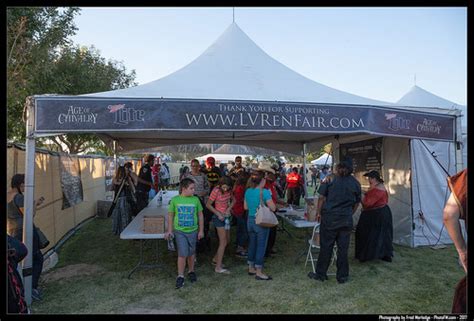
<point x="217" y="222"/>
<point x="186" y="243"/>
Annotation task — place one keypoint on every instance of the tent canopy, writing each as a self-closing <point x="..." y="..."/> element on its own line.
<point x="419" y="97"/>
<point x="324" y="159"/>
<point x="222" y="158"/>
<point x="234" y="93"/>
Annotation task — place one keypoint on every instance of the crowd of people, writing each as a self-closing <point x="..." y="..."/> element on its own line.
<point x="225" y="198"/>
<point x="231" y="197"/>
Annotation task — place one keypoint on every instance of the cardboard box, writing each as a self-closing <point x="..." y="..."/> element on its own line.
<point x="154" y="224"/>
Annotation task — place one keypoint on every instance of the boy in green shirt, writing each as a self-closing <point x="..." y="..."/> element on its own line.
<point x="184" y="216"/>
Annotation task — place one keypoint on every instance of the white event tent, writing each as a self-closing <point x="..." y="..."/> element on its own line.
<point x="235" y="93"/>
<point x="324" y="159"/>
<point x="430" y="188"/>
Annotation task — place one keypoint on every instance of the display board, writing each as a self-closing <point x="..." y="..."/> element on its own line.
<point x="109" y="175"/>
<point x="70" y="181"/>
<point x="366" y="156"/>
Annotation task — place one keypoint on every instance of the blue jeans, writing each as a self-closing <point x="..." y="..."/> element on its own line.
<point x="242" y="234"/>
<point x="258" y="237"/>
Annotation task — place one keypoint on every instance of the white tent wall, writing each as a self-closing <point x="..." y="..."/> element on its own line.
<point x="430" y="189"/>
<point x="396" y="173"/>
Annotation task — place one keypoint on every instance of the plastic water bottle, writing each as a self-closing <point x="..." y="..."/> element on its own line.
<point x="160" y="198"/>
<point x="227" y="223"/>
<point x="171" y="244"/>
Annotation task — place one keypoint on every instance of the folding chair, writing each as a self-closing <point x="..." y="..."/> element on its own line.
<point x="314" y="244"/>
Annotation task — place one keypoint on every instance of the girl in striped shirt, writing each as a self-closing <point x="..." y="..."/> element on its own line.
<point x="220" y="203"/>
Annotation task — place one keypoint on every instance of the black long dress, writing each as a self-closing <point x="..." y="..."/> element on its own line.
<point x="374" y="234"/>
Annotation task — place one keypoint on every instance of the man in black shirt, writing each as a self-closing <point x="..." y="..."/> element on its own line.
<point x="213" y="174"/>
<point x="144" y="184"/>
<point x="238" y="169"/>
<point x="340" y="196"/>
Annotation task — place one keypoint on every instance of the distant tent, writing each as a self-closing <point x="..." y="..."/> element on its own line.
<point x="429" y="186"/>
<point x="222" y="158"/>
<point x="324" y="159"/>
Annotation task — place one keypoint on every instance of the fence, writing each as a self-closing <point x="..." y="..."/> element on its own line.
<point x="54" y="221"/>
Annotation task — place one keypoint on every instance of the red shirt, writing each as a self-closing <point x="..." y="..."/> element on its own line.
<point x="271" y="186"/>
<point x="374" y="198"/>
<point x="293" y="180"/>
<point x="239" y="193"/>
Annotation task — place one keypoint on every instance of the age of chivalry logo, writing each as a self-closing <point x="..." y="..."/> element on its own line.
<point x="123" y="115"/>
<point x="428" y="126"/>
<point x="77" y="114"/>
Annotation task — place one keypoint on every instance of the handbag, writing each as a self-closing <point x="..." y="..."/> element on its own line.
<point x="43" y="240"/>
<point x="264" y="216"/>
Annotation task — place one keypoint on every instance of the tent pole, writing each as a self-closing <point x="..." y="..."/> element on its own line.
<point x="29" y="199"/>
<point x="115" y="153"/>
<point x="304" y="170"/>
<point x="459" y="146"/>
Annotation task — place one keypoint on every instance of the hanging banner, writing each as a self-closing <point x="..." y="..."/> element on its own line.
<point x="71" y="183"/>
<point x="366" y="156"/>
<point x="80" y="114"/>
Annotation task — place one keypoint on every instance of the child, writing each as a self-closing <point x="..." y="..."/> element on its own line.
<point x="239" y="213"/>
<point x="221" y="197"/>
<point x="184" y="214"/>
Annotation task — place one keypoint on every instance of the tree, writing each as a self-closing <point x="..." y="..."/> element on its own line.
<point x="43" y="60"/>
<point x="33" y="36"/>
<point x="81" y="70"/>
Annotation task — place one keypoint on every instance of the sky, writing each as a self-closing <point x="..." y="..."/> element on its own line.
<point x="378" y="53"/>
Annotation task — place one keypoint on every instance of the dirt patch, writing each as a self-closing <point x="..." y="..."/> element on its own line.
<point x="70" y="271"/>
<point x="150" y="311"/>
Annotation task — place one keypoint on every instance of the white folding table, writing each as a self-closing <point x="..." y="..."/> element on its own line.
<point x="296" y="218"/>
<point x="134" y="230"/>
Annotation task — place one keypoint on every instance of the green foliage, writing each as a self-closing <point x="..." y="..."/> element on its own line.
<point x="33" y="37"/>
<point x="42" y="60"/>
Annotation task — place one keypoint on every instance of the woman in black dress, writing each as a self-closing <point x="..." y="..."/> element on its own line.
<point x="374" y="233"/>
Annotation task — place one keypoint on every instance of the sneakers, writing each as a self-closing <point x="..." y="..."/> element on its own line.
<point x="192" y="277"/>
<point x="179" y="282"/>
<point x="36" y="295"/>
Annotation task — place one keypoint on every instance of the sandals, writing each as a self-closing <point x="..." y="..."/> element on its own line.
<point x="268" y="278"/>
<point x="223" y="271"/>
<point x="214" y="264"/>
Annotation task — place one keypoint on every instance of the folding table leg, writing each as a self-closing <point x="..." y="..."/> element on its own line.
<point x="282" y="227"/>
<point x="139" y="262"/>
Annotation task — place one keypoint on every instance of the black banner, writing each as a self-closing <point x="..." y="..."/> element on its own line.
<point x="366" y="156"/>
<point x="80" y="114"/>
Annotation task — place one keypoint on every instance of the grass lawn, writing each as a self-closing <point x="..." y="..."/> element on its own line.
<point x="91" y="277"/>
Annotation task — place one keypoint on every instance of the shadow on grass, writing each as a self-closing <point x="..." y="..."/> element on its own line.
<point x="419" y="280"/>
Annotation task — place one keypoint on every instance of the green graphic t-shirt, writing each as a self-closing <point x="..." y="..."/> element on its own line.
<point x="185" y="209"/>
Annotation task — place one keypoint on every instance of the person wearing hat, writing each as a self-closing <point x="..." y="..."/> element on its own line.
<point x="212" y="171"/>
<point x="270" y="184"/>
<point x="374" y="232"/>
<point x="339" y="198"/>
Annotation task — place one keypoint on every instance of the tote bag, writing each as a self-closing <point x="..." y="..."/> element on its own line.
<point x="264" y="216"/>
